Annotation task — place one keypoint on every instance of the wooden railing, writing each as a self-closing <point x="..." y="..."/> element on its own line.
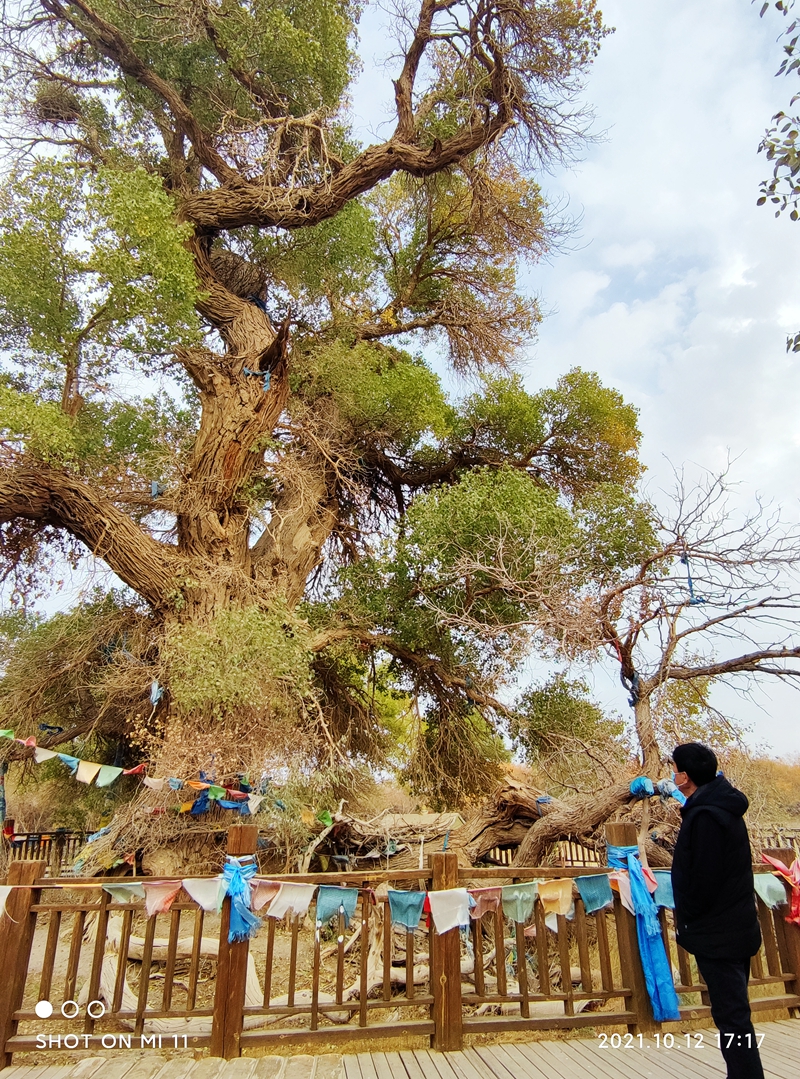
<point x="58" y="849"/>
<point x="173" y="980"/>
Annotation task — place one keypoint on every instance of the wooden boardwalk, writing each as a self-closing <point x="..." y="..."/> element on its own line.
<point x="578" y="1058"/>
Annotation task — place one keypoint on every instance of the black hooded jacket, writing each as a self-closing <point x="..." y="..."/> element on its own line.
<point x="712" y="875"/>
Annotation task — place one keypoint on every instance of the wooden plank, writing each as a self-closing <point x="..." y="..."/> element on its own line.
<point x="444" y="1063"/>
<point x="352" y="1069"/>
<point x="340" y="957"/>
<point x="230" y="986"/>
<point x="381" y="1065"/>
<point x="75" y="945"/>
<point x="516" y="1062"/>
<point x="315" y="980"/>
<point x="426" y="1065"/>
<point x="122" y="960"/>
<point x="411" y="1064"/>
<point x="101" y="928"/>
<point x="490" y="1061"/>
<point x="566" y="969"/>
<point x="542" y="949"/>
<point x="596" y="1063"/>
<point x="270" y="959"/>
<point x="396" y="1066"/>
<point x="367" y="1067"/>
<point x="522" y="969"/>
<point x="208" y="1068"/>
<point x="606" y="971"/>
<point x="477" y="952"/>
<point x="91" y="1065"/>
<point x="776" y="1065"/>
<point x="330" y="1067"/>
<point x="270" y="1067"/>
<point x="768" y="937"/>
<point x="194" y="964"/>
<point x="463" y="1067"/>
<point x="363" y="986"/>
<point x="172" y="949"/>
<point x="410" y="964"/>
<point x="143" y="1068"/>
<point x="17" y="929"/>
<point x="558" y="1067"/>
<point x="500" y="952"/>
<point x="144" y="975"/>
<point x="582" y="939"/>
<point x="48" y="963"/>
<point x="533" y="1061"/>
<point x="293" y="960"/>
<point x="445" y="963"/>
<point x="388" y="941"/>
<point x="178" y="1068"/>
<point x="240" y="1068"/>
<point x="299" y="1067"/>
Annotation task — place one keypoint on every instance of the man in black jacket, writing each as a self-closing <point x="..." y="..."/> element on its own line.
<point x="715" y="909"/>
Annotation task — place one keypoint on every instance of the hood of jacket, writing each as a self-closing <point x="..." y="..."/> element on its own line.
<point x="718" y="794"/>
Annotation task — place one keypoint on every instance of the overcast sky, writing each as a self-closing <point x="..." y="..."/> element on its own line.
<point x="680" y="291"/>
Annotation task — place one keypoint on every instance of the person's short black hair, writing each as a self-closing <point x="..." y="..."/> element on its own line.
<point x="697" y="761"/>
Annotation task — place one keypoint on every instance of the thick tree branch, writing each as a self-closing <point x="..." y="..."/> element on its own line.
<point x="263" y="205"/>
<point x="37" y="492"/>
<point x="752" y="663"/>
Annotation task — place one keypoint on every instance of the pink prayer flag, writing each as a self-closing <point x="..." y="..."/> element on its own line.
<point x="263" y="892"/>
<point x="159" y="897"/>
<point x="137" y="771"/>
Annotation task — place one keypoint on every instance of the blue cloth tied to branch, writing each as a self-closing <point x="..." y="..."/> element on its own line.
<point x="657" y="973"/>
<point x="236" y="874"/>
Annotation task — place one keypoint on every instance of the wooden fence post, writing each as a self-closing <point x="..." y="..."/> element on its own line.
<point x="16" y="939"/>
<point x="229" y="992"/>
<point x="624" y="835"/>
<point x="791" y="930"/>
<point x="445" y="963"/>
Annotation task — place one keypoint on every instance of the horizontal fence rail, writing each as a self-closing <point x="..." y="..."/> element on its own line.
<point x="172" y="980"/>
<point x="57" y="848"/>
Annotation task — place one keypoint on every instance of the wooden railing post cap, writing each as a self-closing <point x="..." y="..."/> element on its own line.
<point x="242" y="839"/>
<point x="621" y="834"/>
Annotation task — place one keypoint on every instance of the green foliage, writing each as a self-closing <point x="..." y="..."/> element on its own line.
<point x="574" y="436"/>
<point x="560" y="715"/>
<point x="457" y="758"/>
<point x="389" y="398"/>
<point x="301" y="50"/>
<point x="40" y="425"/>
<point x="82" y="667"/>
<point x="237" y="661"/>
<point x="618" y="531"/>
<point x="682" y="712"/>
<point x="333" y="261"/>
<point x="91" y="266"/>
<point x="486" y="506"/>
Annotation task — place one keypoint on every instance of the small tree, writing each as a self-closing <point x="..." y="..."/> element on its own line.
<point x="694" y="596"/>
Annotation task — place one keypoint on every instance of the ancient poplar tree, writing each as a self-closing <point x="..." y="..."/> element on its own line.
<point x="213" y="305"/>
